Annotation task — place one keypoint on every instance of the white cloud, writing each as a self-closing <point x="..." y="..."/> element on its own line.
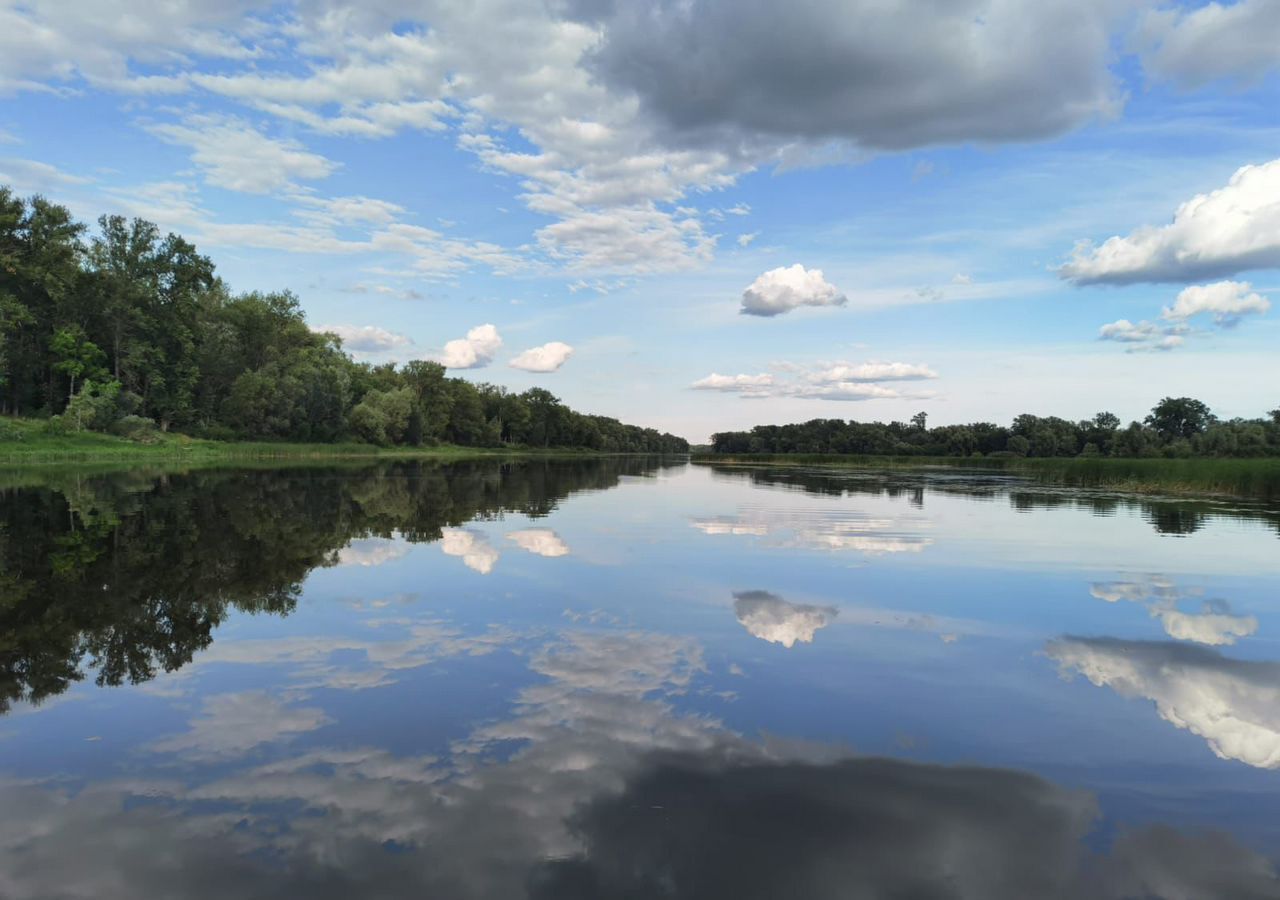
<point x="834" y="381"/>
<point x="872" y="371"/>
<point x="32" y="176"/>
<point x="348" y="210"/>
<point x="786" y="288"/>
<point x="1226" y="300"/>
<point x="547" y="358"/>
<point x="1143" y="336"/>
<point x="1233" y="704"/>
<point x="853" y="390"/>
<point x="770" y="618"/>
<point x="474" y="548"/>
<point x="542" y="541"/>
<point x="366" y="338"/>
<point x="1230" y="230"/>
<point x="237" y="156"/>
<point x="734" y="384"/>
<point x="1213" y="42"/>
<point x="745" y="239"/>
<point x="475" y="351"/>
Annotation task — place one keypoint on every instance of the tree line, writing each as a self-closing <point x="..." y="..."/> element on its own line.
<point x="130" y="331"/>
<point x="1178" y="427"/>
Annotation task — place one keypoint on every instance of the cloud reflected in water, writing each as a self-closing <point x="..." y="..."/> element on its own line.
<point x="770" y="618"/>
<point x="1214" y="624"/>
<point x="1233" y="704"/>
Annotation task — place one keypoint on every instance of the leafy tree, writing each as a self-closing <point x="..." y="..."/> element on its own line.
<point x="76" y="356"/>
<point x="1179" y="417"/>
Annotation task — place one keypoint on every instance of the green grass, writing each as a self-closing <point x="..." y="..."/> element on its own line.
<point x="1257" y="479"/>
<point x="25" y="442"/>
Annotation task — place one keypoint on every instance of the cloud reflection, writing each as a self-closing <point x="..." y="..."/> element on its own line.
<point x="542" y="541"/>
<point x="473" y="546"/>
<point x="1233" y="704"/>
<point x="819" y="529"/>
<point x="770" y="618"/>
<point x="595" y="784"/>
<point x="1214" y="624"/>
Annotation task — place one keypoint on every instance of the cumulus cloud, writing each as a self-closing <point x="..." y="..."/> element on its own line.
<point x="473" y="546"/>
<point x="237" y="156"/>
<point x="770" y="618"/>
<point x="547" y="358"/>
<point x="1213" y="42"/>
<point x="542" y="541"/>
<point x="1228" y="301"/>
<point x="1143" y="336"/>
<point x="1233" y="704"/>
<point x="475" y="351"/>
<point x="1214" y="235"/>
<point x="786" y="288"/>
<point x="366" y="338"/>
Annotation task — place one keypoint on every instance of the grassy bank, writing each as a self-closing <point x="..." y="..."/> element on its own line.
<point x="26" y="443"/>
<point x="1257" y="479"/>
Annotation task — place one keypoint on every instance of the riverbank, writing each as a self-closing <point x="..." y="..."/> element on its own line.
<point x="25" y="443"/>
<point x="1254" y="479"/>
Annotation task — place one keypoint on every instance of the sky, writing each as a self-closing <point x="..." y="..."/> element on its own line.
<point x="701" y="215"/>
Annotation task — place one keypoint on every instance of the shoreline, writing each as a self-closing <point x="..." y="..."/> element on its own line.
<point x="1241" y="479"/>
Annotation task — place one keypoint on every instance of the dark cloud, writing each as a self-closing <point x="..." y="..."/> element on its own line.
<point x="884" y="76"/>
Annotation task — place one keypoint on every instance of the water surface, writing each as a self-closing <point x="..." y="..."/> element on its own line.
<point x="627" y="678"/>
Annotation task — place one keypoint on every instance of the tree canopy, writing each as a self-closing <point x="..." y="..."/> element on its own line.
<point x="139" y="324"/>
<point x="1177" y="427"/>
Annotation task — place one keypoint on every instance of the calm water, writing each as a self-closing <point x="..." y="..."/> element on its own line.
<point x="614" y="679"/>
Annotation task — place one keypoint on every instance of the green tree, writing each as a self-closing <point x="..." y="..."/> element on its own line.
<point x="1179" y="417"/>
<point x="76" y="356"/>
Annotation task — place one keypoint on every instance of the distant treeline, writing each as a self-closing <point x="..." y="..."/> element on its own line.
<point x="129" y="331"/>
<point x="1178" y="427"/>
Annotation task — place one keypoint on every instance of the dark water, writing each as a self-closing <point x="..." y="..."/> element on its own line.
<point x="623" y="679"/>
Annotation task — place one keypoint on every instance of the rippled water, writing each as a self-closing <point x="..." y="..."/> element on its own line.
<point x="619" y="678"/>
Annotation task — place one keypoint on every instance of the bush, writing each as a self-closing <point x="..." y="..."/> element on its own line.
<point x="10" y="433"/>
<point x="137" y="428"/>
<point x="94" y="408"/>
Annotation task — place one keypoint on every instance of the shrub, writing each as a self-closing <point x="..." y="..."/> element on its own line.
<point x="10" y="433"/>
<point x="137" y="428"/>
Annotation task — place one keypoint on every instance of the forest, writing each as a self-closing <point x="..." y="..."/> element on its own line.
<point x="1177" y="428"/>
<point x="132" y="332"/>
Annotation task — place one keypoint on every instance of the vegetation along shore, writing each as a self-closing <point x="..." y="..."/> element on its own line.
<point x="131" y="333"/>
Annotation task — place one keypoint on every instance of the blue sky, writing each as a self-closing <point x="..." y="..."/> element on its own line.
<point x="704" y="215"/>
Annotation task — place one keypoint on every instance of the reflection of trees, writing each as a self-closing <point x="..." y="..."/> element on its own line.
<point x="130" y="575"/>
<point x="1166" y="516"/>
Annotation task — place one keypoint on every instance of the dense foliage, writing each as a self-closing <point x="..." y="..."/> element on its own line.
<point x="130" y="331"/>
<point x="1178" y="427"/>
